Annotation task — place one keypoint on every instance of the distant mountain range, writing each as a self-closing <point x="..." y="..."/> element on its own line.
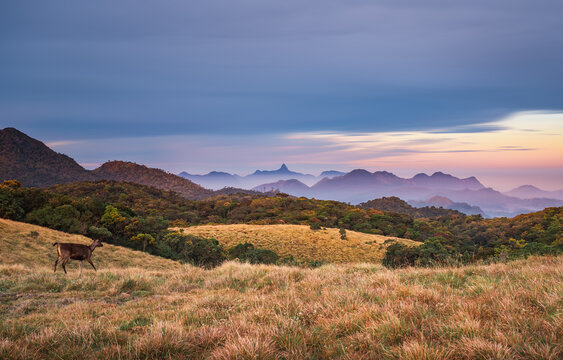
<point x="34" y="164"/>
<point x="361" y="185"/>
<point x="467" y="195"/>
<point x="217" y="180"/>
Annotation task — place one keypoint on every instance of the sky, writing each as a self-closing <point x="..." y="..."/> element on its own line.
<point x="467" y="87"/>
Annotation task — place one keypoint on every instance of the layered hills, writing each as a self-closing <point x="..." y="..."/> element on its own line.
<point x="467" y="195"/>
<point x="218" y="179"/>
<point x="35" y="164"/>
<point x="140" y="174"/>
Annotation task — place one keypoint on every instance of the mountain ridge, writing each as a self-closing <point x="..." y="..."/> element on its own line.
<point x="34" y="164"/>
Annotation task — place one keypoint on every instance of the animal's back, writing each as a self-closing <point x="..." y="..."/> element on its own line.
<point x="78" y="251"/>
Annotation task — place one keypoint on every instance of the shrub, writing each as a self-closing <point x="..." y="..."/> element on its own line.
<point x="435" y="252"/>
<point x="191" y="249"/>
<point x="399" y="255"/>
<point x="247" y="252"/>
<point x="536" y="248"/>
<point x="99" y="232"/>
<point x="315" y="226"/>
<point x="342" y="232"/>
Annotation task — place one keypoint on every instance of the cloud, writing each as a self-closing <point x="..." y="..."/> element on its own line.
<point x="456" y="147"/>
<point x="54" y="144"/>
<point x="103" y="69"/>
<point x="473" y="128"/>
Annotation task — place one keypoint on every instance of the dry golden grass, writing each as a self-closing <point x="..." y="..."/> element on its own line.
<point x="242" y="311"/>
<point x="301" y="242"/>
<point x="19" y="246"/>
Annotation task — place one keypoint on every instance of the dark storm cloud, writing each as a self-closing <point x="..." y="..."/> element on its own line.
<point x="110" y="68"/>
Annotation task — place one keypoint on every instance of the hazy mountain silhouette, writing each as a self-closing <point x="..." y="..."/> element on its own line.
<point x="331" y="174"/>
<point x="444" y="202"/>
<point x="530" y="192"/>
<point x="292" y="186"/>
<point x="214" y="180"/>
<point x="218" y="179"/>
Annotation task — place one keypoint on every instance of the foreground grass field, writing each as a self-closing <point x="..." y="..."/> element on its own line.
<point x="159" y="310"/>
<point x="301" y="242"/>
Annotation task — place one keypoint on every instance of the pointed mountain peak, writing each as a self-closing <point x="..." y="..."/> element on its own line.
<point x="283" y="168"/>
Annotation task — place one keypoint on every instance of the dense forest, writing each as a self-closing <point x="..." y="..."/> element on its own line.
<point x="138" y="216"/>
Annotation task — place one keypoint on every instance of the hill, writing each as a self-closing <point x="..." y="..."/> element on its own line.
<point x="496" y="204"/>
<point x="214" y="180"/>
<point x="397" y="205"/>
<point x="301" y="242"/>
<point x="140" y="174"/>
<point x="241" y="311"/>
<point x="292" y="186"/>
<point x="34" y="163"/>
<point x="445" y="203"/>
<point x="32" y="246"/>
<point x="283" y="173"/>
<point x="531" y="192"/>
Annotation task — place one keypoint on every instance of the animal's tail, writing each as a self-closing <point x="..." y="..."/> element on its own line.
<point x="55" y="243"/>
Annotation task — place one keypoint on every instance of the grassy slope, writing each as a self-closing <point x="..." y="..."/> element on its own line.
<point x="18" y="246"/>
<point x="301" y="242"/>
<point x="243" y="311"/>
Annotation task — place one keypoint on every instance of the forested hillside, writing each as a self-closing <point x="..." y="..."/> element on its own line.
<point x="138" y="216"/>
<point x="140" y="174"/>
<point x="397" y="205"/>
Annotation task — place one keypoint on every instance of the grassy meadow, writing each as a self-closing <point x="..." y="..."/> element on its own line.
<point x="301" y="242"/>
<point x="139" y="306"/>
<point x="32" y="245"/>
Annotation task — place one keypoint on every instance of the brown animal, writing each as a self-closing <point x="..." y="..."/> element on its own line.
<point x="79" y="252"/>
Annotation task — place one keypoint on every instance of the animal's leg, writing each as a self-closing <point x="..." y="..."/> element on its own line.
<point x="56" y="262"/>
<point x="80" y="266"/>
<point x="64" y="263"/>
<point x="90" y="261"/>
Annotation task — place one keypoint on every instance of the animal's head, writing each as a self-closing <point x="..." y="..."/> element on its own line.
<point x="97" y="243"/>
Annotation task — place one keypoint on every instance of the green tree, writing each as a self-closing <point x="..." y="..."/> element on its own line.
<point x="398" y="255"/>
<point x="143" y="239"/>
<point x="248" y="253"/>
